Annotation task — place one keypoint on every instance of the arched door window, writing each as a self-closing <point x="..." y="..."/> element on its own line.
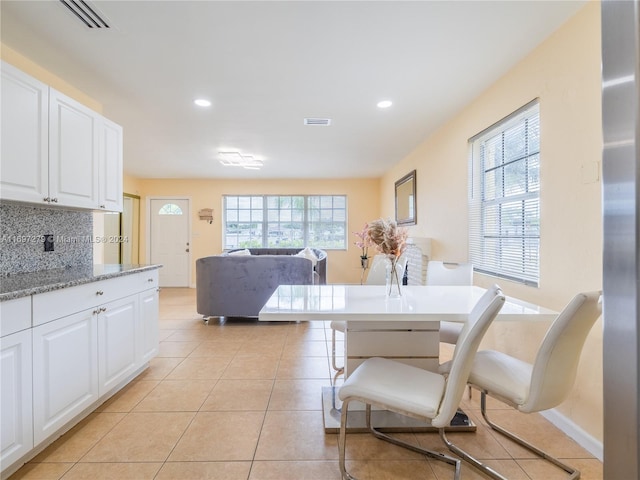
<point x="170" y="209"/>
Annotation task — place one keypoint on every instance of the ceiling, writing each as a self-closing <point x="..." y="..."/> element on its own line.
<point x="267" y="65"/>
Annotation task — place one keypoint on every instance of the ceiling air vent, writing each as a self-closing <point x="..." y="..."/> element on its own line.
<point x="86" y="13"/>
<point x="319" y="122"/>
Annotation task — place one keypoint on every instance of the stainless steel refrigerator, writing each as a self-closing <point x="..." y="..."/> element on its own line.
<point x="621" y="261"/>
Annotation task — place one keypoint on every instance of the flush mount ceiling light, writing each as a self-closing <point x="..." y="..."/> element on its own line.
<point x="202" y="102"/>
<point x="236" y="159"/>
<point x="384" y="104"/>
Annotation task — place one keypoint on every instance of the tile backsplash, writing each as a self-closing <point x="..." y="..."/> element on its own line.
<point x="22" y="238"/>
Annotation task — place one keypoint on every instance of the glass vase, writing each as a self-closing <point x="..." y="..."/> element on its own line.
<point x="393" y="277"/>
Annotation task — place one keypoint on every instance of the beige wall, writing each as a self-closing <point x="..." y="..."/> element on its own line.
<point x="23" y="63"/>
<point x="564" y="73"/>
<point x="343" y="265"/>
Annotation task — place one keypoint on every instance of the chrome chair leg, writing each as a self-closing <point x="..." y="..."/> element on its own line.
<point x="573" y="473"/>
<point x="333" y="353"/>
<point x="342" y="444"/>
<point x="468" y="458"/>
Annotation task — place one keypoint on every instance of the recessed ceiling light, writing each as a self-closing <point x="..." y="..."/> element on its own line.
<point x="384" y="104"/>
<point x="201" y="102"/>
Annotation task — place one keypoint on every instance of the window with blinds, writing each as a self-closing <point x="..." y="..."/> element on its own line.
<point x="318" y="221"/>
<point x="504" y="197"/>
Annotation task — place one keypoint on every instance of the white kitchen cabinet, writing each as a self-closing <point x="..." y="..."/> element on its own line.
<point x="118" y="338"/>
<point x="64" y="352"/>
<point x="149" y="326"/>
<point x="73" y="152"/>
<point x="65" y="371"/>
<point x="55" y="150"/>
<point x="110" y="188"/>
<point x="16" y="436"/>
<point x="24" y="131"/>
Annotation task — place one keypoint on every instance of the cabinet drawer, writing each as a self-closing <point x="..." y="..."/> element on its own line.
<point x="147" y="279"/>
<point x="60" y="303"/>
<point x="15" y="315"/>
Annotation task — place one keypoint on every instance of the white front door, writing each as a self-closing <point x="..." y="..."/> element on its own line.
<point x="169" y="227"/>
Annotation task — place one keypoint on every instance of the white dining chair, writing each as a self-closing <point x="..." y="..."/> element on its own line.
<point x="449" y="273"/>
<point x="415" y="392"/>
<point x="376" y="276"/>
<point x="539" y="386"/>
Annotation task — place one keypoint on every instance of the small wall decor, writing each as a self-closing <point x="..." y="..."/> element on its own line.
<point x="406" y="200"/>
<point x="206" y="214"/>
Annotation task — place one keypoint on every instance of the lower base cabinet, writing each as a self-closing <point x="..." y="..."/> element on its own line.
<point x="15" y="396"/>
<point x="118" y="332"/>
<point x="149" y="326"/>
<point x="65" y="371"/>
<point x="55" y="369"/>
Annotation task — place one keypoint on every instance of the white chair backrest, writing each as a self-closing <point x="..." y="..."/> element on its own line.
<point x="483" y="313"/>
<point x="448" y="273"/>
<point x="377" y="270"/>
<point x="556" y="363"/>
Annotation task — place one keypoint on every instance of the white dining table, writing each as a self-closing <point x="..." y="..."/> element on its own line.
<point x="370" y="303"/>
<point x="404" y="328"/>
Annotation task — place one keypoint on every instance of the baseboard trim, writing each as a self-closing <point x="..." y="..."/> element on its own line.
<point x="586" y="441"/>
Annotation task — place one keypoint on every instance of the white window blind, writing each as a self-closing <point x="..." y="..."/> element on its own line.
<point x="504" y="198"/>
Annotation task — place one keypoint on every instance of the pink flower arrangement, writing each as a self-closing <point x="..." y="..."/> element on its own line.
<point x="364" y="243"/>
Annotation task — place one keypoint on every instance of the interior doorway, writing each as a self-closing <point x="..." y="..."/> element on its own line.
<point x="123" y="231"/>
<point x="169" y="234"/>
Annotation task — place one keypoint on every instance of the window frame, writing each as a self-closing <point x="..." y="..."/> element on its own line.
<point x="491" y="250"/>
<point x="271" y="209"/>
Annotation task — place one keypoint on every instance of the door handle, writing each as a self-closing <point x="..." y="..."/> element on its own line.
<point x="187" y="250"/>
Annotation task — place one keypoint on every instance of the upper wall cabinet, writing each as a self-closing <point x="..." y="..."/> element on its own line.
<point x="55" y="150"/>
<point x="24" y="134"/>
<point x="110" y="188"/>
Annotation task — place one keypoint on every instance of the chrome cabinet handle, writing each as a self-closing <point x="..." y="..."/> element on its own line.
<point x="99" y="292"/>
<point x="46" y="199"/>
<point x="150" y="280"/>
<point x="54" y="200"/>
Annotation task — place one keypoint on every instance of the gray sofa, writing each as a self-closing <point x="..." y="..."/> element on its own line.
<point x="240" y="285"/>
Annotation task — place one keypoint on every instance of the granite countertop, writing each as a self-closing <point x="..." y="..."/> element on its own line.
<point x="24" y="284"/>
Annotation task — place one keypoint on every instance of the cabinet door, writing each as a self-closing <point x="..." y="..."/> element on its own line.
<point x="110" y="166"/>
<point x="15" y="395"/>
<point x="23" y="129"/>
<point x="65" y="371"/>
<point x="117" y="339"/>
<point x="73" y="152"/>
<point x="149" y="325"/>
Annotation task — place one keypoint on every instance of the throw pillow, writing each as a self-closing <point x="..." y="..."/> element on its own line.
<point x="308" y="253"/>
<point x="241" y="252"/>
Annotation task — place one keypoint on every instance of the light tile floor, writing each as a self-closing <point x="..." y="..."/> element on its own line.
<point x="241" y="400"/>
